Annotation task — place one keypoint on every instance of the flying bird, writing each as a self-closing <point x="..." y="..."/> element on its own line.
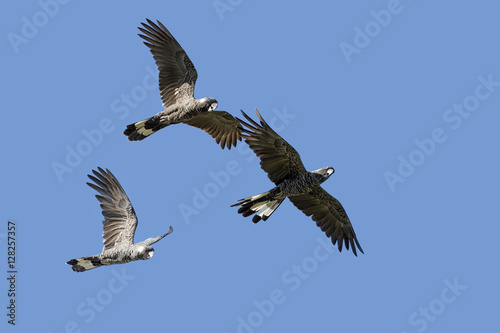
<point x="177" y="78"/>
<point x="119" y="227"/>
<point x="284" y="168"/>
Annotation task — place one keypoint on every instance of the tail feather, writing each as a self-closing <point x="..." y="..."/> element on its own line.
<point x="85" y="263"/>
<point x="262" y="205"/>
<point x="142" y="129"/>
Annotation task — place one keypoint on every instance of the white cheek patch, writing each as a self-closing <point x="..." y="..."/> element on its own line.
<point x="212" y="107"/>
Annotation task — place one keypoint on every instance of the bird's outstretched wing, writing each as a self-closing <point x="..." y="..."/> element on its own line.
<point x="120" y="220"/>
<point x="221" y="125"/>
<point x="329" y="215"/>
<point x="177" y="73"/>
<point x="278" y="158"/>
<point x="152" y="240"/>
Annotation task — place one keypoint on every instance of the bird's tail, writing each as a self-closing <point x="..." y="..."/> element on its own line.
<point x="144" y="128"/>
<point x="85" y="263"/>
<point x="262" y="205"/>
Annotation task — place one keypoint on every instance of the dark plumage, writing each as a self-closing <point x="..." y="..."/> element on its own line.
<point x="177" y="78"/>
<point x="284" y="167"/>
<point x="119" y="227"/>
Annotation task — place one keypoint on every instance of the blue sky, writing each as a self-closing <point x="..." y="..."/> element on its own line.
<point x="400" y="97"/>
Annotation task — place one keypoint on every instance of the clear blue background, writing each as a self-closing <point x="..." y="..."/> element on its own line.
<point x="216" y="272"/>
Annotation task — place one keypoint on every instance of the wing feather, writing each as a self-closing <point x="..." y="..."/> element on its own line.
<point x="177" y="75"/>
<point x="277" y="157"/>
<point x="221" y="126"/>
<point x="120" y="220"/>
<point x="329" y="215"/>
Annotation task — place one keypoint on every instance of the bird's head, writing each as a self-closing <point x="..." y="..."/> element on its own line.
<point x="145" y="252"/>
<point x="324" y="173"/>
<point x="209" y="103"/>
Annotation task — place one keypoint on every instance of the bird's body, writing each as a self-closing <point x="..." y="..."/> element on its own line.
<point x="109" y="257"/>
<point x="284" y="167"/>
<point x="120" y="222"/>
<point x="177" y="79"/>
<point x="300" y="184"/>
<point x="266" y="203"/>
<point x="174" y="114"/>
